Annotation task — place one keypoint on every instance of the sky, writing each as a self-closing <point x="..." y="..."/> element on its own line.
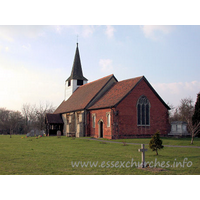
<point x="35" y="60"/>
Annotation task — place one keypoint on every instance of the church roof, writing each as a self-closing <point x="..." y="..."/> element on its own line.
<point x="119" y="91"/>
<point x="116" y="93"/>
<point x="80" y="99"/>
<point x="53" y="119"/>
<point x="77" y="72"/>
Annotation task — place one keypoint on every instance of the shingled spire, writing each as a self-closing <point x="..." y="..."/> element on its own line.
<point x="77" y="73"/>
<point x="76" y="78"/>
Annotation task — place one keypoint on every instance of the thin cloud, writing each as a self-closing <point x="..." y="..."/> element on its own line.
<point x="11" y="33"/>
<point x="27" y="47"/>
<point x="106" y="65"/>
<point x="156" y="31"/>
<point x="174" y="92"/>
<point x="109" y="31"/>
<point x="58" y="29"/>
<point x="82" y="30"/>
<point x="88" y="31"/>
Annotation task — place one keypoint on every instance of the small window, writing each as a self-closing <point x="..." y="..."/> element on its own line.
<point x="79" y="117"/>
<point x="69" y="83"/>
<point x="79" y="82"/>
<point x="93" y="120"/>
<point x="70" y="119"/>
<point x="108" y="119"/>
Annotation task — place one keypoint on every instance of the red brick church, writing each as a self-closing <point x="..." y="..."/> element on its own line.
<point x="108" y="108"/>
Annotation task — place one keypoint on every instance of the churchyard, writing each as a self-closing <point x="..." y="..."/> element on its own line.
<point x="63" y="155"/>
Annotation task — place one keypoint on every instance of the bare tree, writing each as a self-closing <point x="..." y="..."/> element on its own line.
<point x="186" y="109"/>
<point x="4" y="120"/>
<point x="40" y="114"/>
<point x="26" y="110"/>
<point x="34" y="116"/>
<point x="11" y="121"/>
<point x="193" y="129"/>
<point x="31" y="117"/>
<point x="15" y="122"/>
<point x="184" y="112"/>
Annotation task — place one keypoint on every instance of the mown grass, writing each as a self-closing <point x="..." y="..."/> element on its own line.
<point x="52" y="155"/>
<point x="166" y="141"/>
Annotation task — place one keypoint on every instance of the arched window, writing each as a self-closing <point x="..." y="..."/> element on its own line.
<point x="108" y="119"/>
<point x="93" y="120"/>
<point x="143" y="111"/>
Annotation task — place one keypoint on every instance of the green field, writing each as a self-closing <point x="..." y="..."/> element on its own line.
<point x="52" y="155"/>
<point x="166" y="141"/>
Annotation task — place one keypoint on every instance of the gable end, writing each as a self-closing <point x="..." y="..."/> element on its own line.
<point x="146" y="81"/>
<point x="128" y="92"/>
<point x="103" y="90"/>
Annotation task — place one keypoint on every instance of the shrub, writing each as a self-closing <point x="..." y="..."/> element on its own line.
<point x="156" y="143"/>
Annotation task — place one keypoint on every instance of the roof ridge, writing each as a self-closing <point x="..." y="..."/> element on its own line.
<point x="125" y="94"/>
<point x="79" y="100"/>
<point x="131" y="79"/>
<point x="97" y="80"/>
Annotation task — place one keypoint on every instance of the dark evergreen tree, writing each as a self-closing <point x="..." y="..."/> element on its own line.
<point x="156" y="143"/>
<point x="196" y="116"/>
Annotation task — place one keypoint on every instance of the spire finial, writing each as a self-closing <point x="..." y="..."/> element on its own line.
<point x="77" y="40"/>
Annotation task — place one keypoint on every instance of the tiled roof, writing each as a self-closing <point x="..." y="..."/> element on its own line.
<point x="83" y="96"/>
<point x="116" y="93"/>
<point x="54" y="119"/>
<point x="76" y="72"/>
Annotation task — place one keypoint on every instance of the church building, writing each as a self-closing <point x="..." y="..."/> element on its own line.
<point x="108" y="108"/>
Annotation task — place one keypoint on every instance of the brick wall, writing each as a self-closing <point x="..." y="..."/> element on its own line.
<point x="100" y="115"/>
<point x="126" y="120"/>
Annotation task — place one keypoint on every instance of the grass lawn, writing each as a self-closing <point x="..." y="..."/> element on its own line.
<point x="52" y="155"/>
<point x="166" y="141"/>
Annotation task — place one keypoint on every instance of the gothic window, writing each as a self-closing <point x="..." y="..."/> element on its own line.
<point x="143" y="111"/>
<point x="69" y="83"/>
<point x="93" y="120"/>
<point x="108" y="119"/>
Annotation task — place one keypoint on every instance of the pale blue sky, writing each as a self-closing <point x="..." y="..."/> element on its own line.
<point x="35" y="61"/>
